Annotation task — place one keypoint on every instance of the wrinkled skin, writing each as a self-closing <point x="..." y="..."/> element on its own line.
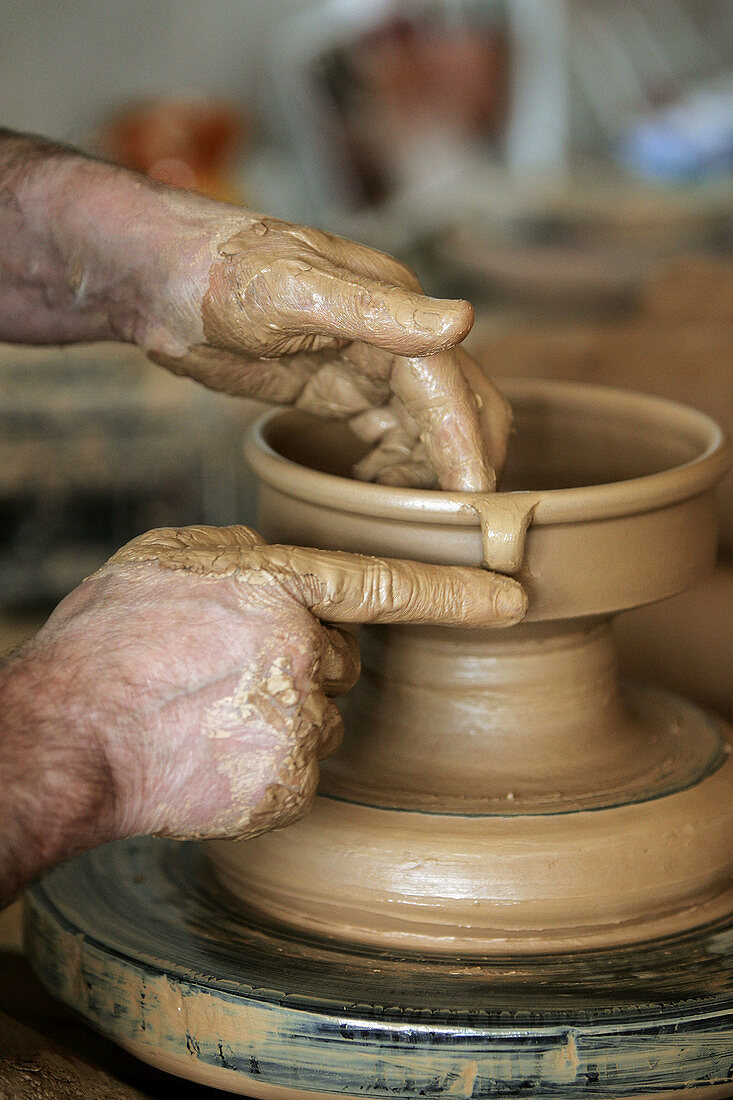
<point x="261" y="717"/>
<point x="217" y="696"/>
<point x="185" y="689"/>
<point x="249" y="305"/>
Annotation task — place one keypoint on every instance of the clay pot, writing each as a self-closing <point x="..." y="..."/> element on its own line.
<point x="498" y="790"/>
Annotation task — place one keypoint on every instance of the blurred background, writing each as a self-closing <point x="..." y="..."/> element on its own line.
<point x="565" y="164"/>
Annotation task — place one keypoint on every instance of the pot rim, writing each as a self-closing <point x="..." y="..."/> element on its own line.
<point x="549" y="506"/>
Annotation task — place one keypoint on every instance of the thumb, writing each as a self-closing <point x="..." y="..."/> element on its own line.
<point x="333" y="301"/>
<point x="354" y="588"/>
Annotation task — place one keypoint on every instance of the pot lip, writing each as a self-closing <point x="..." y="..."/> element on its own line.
<point x="548" y="506"/>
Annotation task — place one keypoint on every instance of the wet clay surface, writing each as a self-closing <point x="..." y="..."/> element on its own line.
<point x="577" y="941"/>
<point x="599" y="476"/>
<point x="685" y="644"/>
<point x="503" y="793"/>
<point x="677" y="343"/>
<point x="204" y="991"/>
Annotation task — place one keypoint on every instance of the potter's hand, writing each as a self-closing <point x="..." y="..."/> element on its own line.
<point x="185" y="688"/>
<point x="246" y="304"/>
<point x="297" y="316"/>
<point x="246" y="711"/>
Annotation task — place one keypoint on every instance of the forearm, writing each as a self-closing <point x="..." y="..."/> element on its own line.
<point x="57" y="795"/>
<point x="83" y="242"/>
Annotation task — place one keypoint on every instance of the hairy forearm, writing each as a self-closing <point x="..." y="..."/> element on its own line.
<point x="82" y="243"/>
<point x="42" y="297"/>
<point x="57" y="795"/>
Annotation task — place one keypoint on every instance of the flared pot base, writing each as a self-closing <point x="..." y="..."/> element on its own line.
<point x="138" y="938"/>
<point x="656" y="860"/>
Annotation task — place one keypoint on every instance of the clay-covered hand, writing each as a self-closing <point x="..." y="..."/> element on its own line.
<point x="185" y="688"/>
<point x="262" y="308"/>
<point x="246" y="304"/>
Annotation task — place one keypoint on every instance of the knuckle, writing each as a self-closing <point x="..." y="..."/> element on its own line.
<point x="453" y="598"/>
<point x="379" y="586"/>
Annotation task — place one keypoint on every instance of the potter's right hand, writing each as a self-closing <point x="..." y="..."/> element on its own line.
<point x="247" y="304"/>
<point x="185" y="688"/>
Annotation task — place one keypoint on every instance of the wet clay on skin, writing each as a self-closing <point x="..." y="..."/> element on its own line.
<point x="314" y="730"/>
<point x="282" y="318"/>
<point x="337" y="587"/>
<point x="289" y="726"/>
<point x="258" y="297"/>
<point x="287" y="721"/>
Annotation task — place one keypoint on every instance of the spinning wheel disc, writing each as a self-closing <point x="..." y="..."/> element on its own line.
<point x="139" y="939"/>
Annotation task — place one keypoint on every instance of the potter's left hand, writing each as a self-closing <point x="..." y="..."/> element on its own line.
<point x="185" y="688"/>
<point x="246" y="304"/>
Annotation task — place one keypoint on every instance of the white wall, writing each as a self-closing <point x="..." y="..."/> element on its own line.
<point x="64" y="63"/>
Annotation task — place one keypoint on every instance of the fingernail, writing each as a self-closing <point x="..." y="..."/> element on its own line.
<point x="456" y="317"/>
<point x="430" y="317"/>
<point x="511" y="603"/>
<point x="444" y="316"/>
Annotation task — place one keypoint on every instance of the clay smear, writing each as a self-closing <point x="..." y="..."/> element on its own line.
<point x="504" y="525"/>
<point x="312" y="730"/>
<point x="280" y="288"/>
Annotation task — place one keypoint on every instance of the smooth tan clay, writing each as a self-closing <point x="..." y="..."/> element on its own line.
<point x="541" y="807"/>
<point x="676" y="344"/>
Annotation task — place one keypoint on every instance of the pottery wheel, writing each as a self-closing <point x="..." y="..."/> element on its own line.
<point x="139" y="939"/>
<point x="516" y="876"/>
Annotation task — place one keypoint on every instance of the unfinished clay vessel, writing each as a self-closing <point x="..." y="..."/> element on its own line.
<point x="516" y="878"/>
<point x="500" y="790"/>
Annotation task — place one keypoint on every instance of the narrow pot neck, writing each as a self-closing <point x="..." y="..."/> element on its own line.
<point x="526" y="720"/>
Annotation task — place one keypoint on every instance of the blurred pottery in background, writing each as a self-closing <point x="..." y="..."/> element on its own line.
<point x="585" y="249"/>
<point x="546" y="277"/>
<point x="187" y="140"/>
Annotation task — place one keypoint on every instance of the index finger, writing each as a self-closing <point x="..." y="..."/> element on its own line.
<point x="355" y="588"/>
<point x="436" y="393"/>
